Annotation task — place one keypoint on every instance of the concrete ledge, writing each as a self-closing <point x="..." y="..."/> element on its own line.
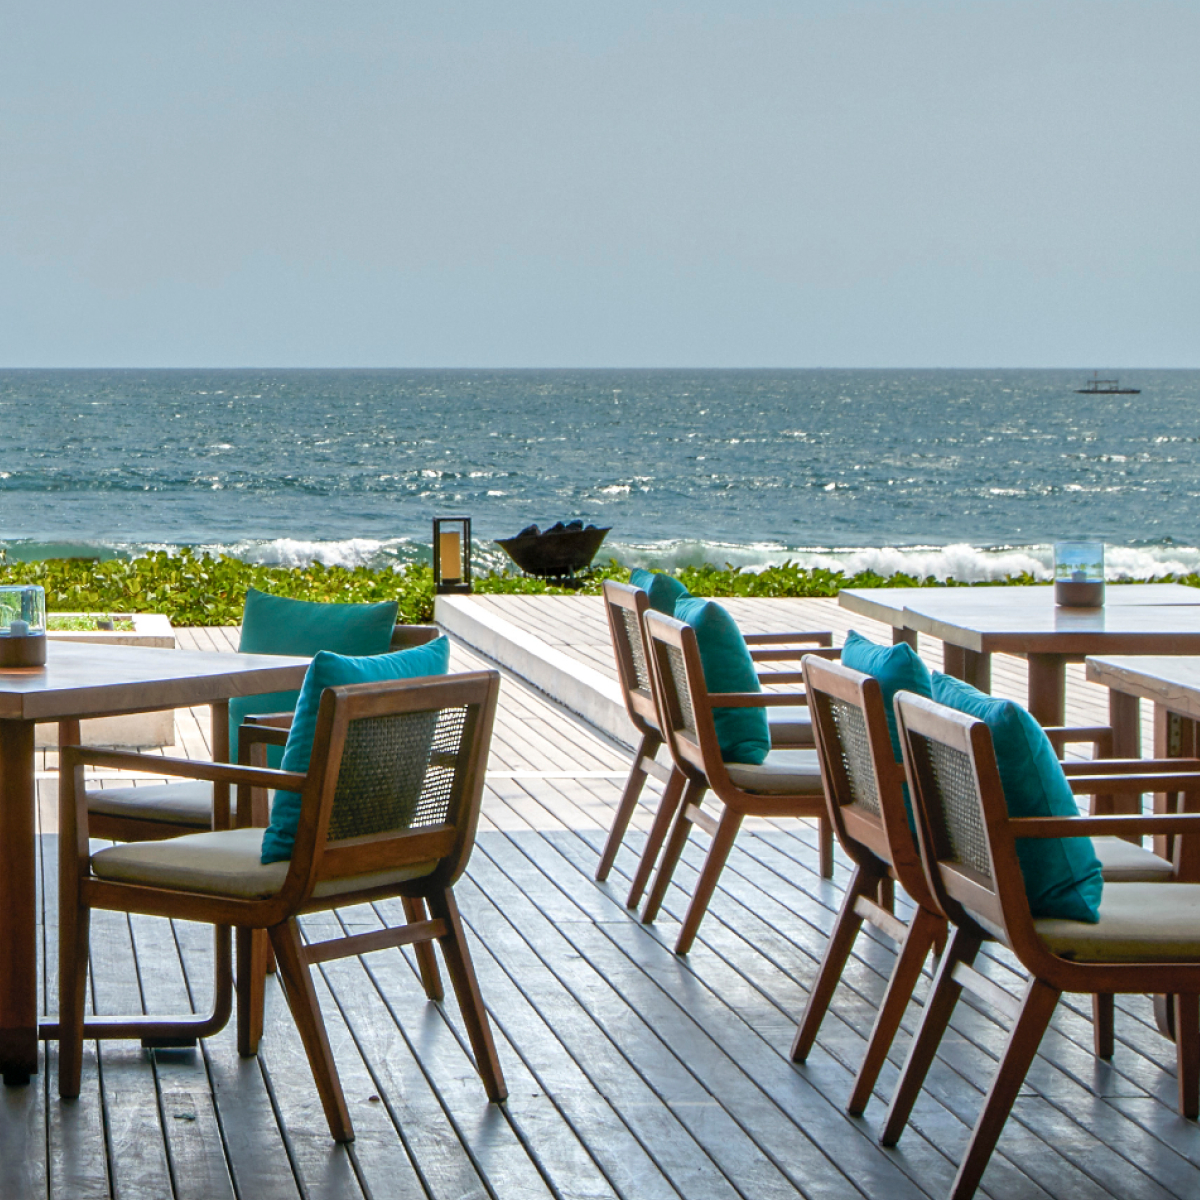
<point x="574" y="685"/>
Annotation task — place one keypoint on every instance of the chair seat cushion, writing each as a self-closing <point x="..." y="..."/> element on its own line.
<point x="188" y="803"/>
<point x="1062" y="875"/>
<point x="225" y="863"/>
<point x="742" y="733"/>
<point x="790" y="725"/>
<point x="1139" y="922"/>
<point x="781" y="773"/>
<point x="1123" y="862"/>
<point x="282" y="625"/>
<point x="664" y="591"/>
<point x="336" y="670"/>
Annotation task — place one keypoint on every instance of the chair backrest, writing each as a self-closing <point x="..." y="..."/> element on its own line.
<point x="864" y="784"/>
<point x="396" y="779"/>
<point x="684" y="709"/>
<point x="404" y="637"/>
<point x="967" y="850"/>
<point x="625" y="607"/>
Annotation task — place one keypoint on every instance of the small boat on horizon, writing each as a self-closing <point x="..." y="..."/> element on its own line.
<point x="1105" y="387"/>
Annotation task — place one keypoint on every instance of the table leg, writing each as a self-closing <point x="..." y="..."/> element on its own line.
<point x="220" y="752"/>
<point x="908" y="636"/>
<point x="968" y="665"/>
<point x="1125" y="717"/>
<point x="1048" y="688"/>
<point x="18" y="905"/>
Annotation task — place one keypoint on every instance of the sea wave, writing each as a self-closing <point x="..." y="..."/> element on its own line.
<point x="960" y="561"/>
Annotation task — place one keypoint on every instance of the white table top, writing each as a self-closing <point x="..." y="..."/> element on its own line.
<point x="1170" y="680"/>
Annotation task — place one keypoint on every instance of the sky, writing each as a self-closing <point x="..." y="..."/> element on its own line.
<point x="574" y="183"/>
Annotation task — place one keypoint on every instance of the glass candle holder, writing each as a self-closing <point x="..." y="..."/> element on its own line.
<point x="22" y="626"/>
<point x="1079" y="574"/>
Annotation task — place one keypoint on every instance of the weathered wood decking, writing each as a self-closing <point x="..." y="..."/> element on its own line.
<point x="631" y="1073"/>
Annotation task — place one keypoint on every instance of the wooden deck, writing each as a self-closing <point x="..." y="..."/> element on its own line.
<point x="632" y="1073"/>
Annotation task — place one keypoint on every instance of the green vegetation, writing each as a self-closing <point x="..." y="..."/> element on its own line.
<point x="87" y="623"/>
<point x="195" y="589"/>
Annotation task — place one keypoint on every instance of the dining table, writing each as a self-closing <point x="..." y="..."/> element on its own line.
<point x="82" y="680"/>
<point x="973" y="623"/>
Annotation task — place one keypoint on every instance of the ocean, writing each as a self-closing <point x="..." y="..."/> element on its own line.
<point x="966" y="473"/>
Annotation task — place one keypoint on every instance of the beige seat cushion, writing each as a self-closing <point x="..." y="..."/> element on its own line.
<point x="782" y="773"/>
<point x="790" y="725"/>
<point x="188" y="802"/>
<point x="1123" y="862"/>
<point x="1151" y="922"/>
<point x="225" y="863"/>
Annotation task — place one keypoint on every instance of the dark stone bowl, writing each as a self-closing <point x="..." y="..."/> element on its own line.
<point x="553" y="555"/>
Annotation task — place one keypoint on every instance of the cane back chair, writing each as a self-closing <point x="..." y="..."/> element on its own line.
<point x="786" y="784"/>
<point x="864" y="793"/>
<point x="389" y="807"/>
<point x="790" y="725"/>
<point x="151" y="812"/>
<point x="1147" y="938"/>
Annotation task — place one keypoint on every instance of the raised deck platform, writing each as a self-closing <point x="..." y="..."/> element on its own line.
<point x="632" y="1073"/>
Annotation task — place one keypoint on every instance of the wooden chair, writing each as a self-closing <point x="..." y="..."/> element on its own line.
<point x="625" y="608"/>
<point x="786" y="784"/>
<point x="1147" y="939"/>
<point x="151" y="812"/>
<point x="389" y="807"/>
<point x="864" y="794"/>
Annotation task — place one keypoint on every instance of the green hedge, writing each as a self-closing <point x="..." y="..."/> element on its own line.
<point x="195" y="589"/>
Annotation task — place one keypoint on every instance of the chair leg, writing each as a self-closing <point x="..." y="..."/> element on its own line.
<point x="431" y="979"/>
<point x="1104" y="1036"/>
<point x="680" y="829"/>
<point x="470" y="1001"/>
<point x="306" y="1012"/>
<point x="837" y="951"/>
<point x="1036" y="1010"/>
<point x="252" y="949"/>
<point x="629" y="797"/>
<point x="825" y="833"/>
<point x="939" y="1006"/>
<point x="914" y="951"/>
<point x="668" y="806"/>
<point x="1187" y="1054"/>
<point x="714" y="864"/>
<point x="74" y="921"/>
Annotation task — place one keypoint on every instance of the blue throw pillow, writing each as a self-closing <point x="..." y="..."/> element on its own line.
<point x="335" y="670"/>
<point x="281" y="625"/>
<point x="898" y="668"/>
<point x="665" y="591"/>
<point x="742" y="733"/>
<point x="1062" y="875"/>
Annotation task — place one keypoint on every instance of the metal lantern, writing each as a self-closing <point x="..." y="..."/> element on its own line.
<point x="451" y="555"/>
<point x="22" y="626"/>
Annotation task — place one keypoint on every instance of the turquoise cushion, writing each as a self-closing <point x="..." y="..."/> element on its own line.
<point x="665" y="591"/>
<point x="281" y="625"/>
<point x="335" y="670"/>
<point x="1062" y="875"/>
<point x="742" y="733"/>
<point x="898" y="668"/>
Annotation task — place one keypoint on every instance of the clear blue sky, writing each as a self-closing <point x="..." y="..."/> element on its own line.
<point x="599" y="183"/>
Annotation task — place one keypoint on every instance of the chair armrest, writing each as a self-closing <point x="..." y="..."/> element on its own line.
<point x="780" y="676"/>
<point x="1118" y="784"/>
<point x="281" y="720"/>
<point x="756" y="699"/>
<point x="272" y="735"/>
<point x="1101" y="736"/>
<point x="1058" y="827"/>
<point x="819" y="637"/>
<point x="183" y="768"/>
<point x="1132" y="766"/>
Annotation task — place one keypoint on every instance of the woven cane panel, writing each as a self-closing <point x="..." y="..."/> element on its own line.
<point x="957" y="800"/>
<point x="677" y="681"/>
<point x="397" y="773"/>
<point x="856" y="754"/>
<point x="633" y="633"/>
